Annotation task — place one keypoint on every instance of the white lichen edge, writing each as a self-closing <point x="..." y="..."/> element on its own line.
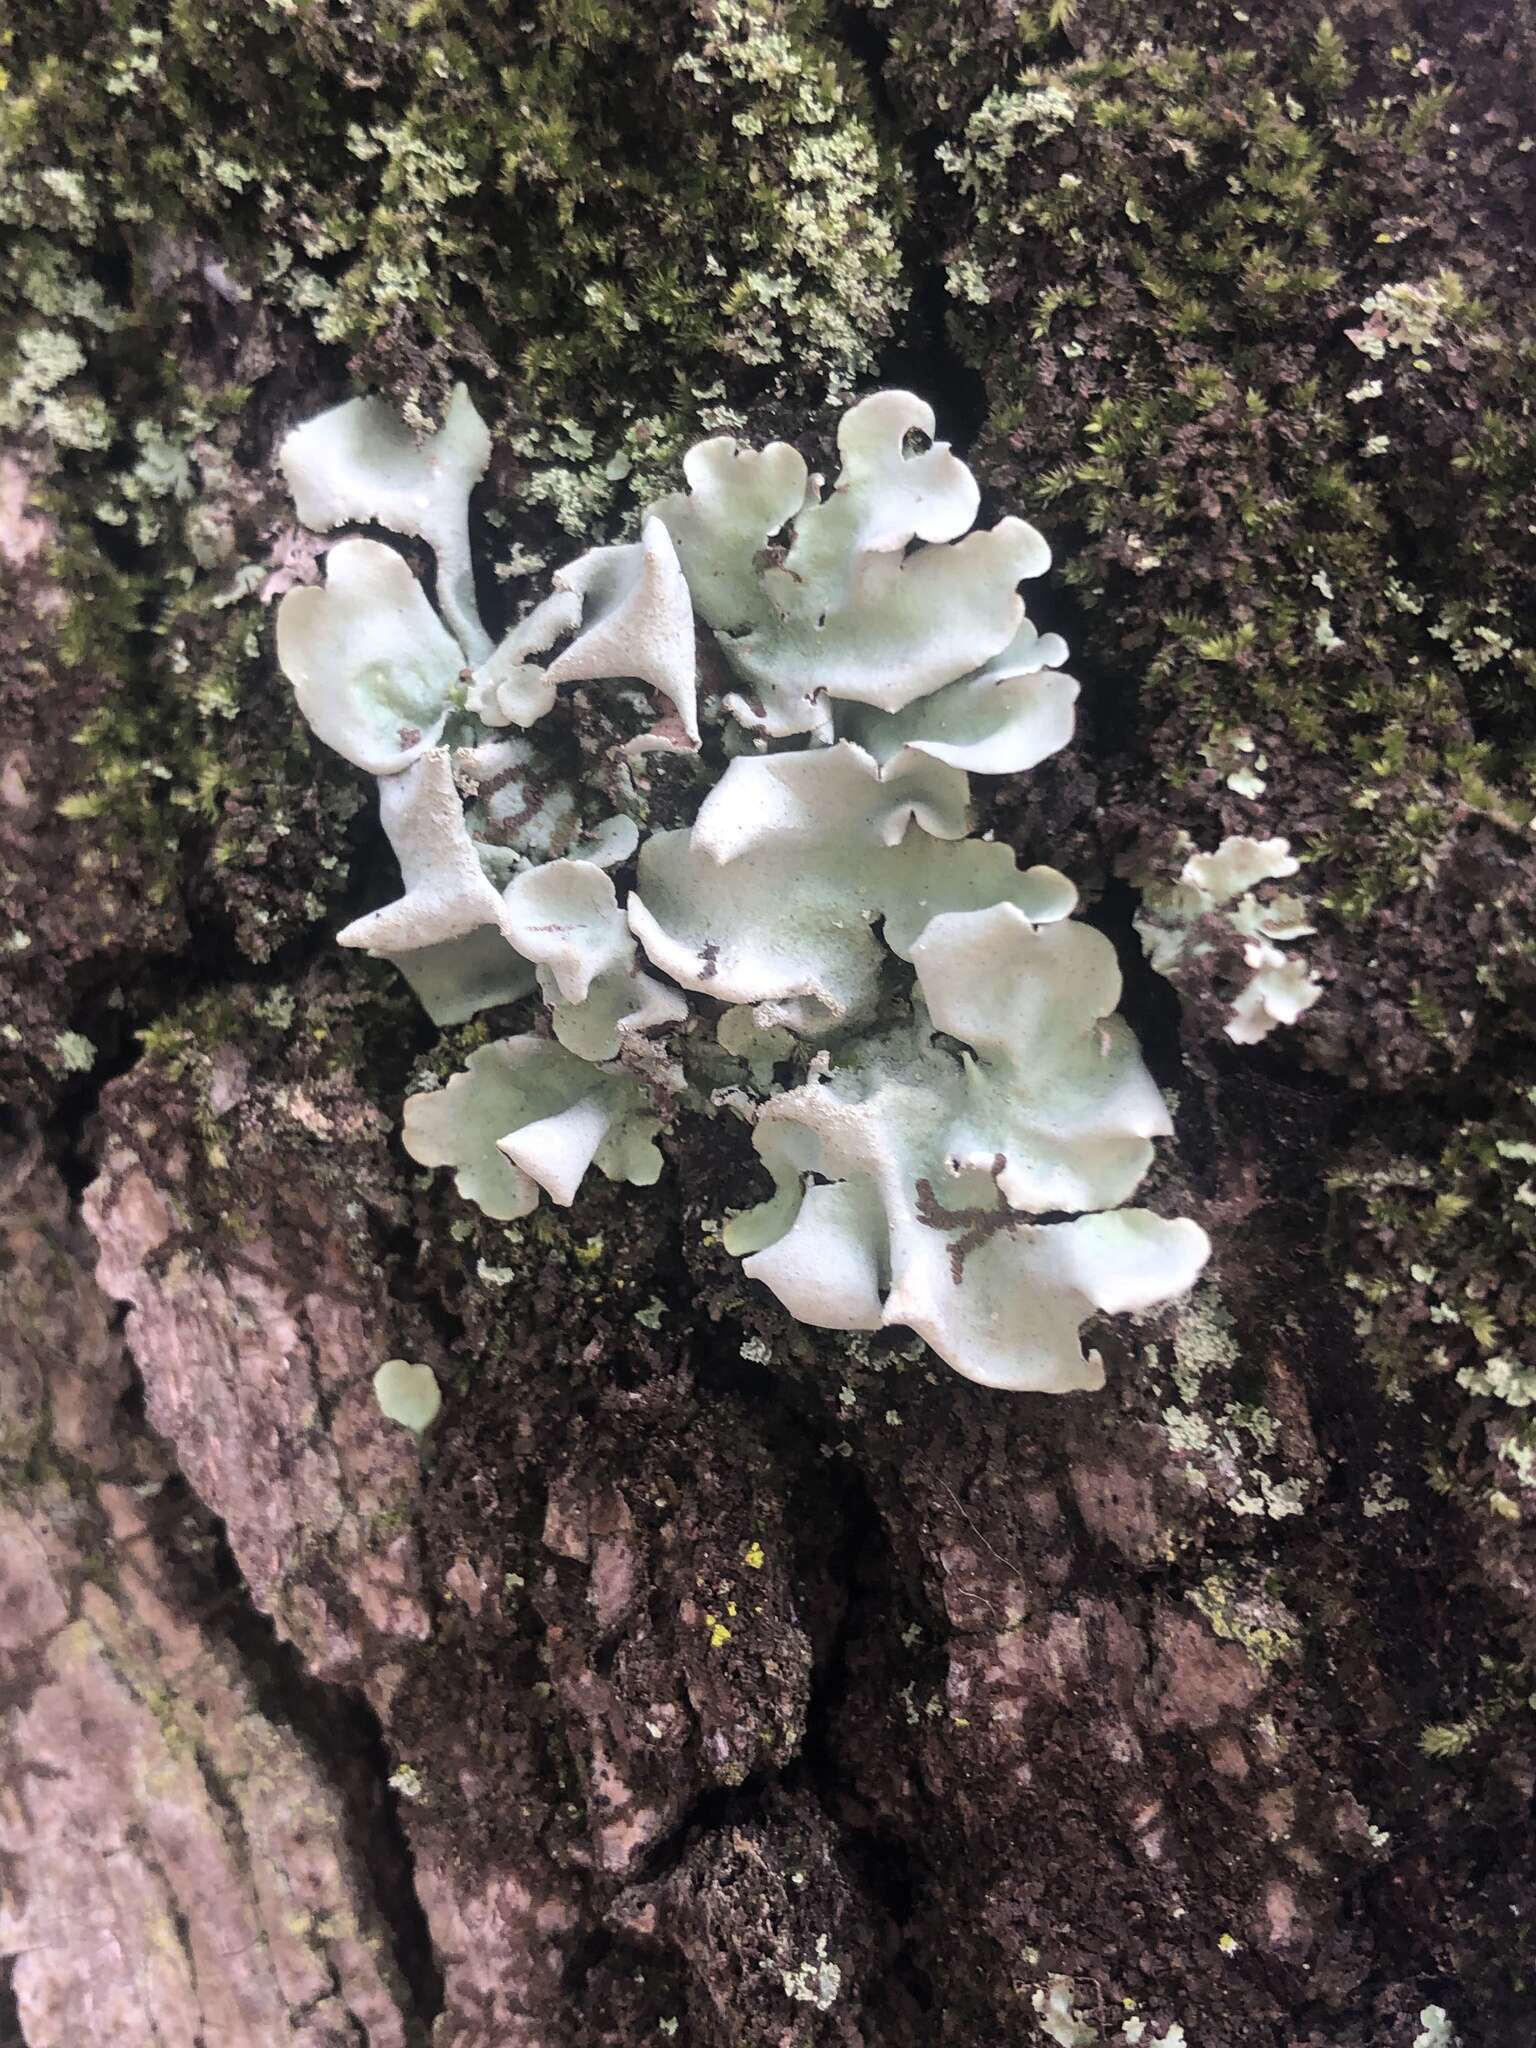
<point x="524" y="1115"/>
<point x="360" y="464"/>
<point x="371" y="665"/>
<point x="772" y="898"/>
<point x="636" y="620"/>
<point x="846" y="608"/>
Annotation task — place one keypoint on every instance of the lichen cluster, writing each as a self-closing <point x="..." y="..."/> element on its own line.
<point x="919" y="1035"/>
<point x="1213" y="904"/>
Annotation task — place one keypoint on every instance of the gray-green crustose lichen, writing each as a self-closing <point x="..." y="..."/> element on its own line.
<point x="922" y="1038"/>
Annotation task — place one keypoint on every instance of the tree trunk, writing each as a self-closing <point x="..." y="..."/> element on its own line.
<point x="702" y="1677"/>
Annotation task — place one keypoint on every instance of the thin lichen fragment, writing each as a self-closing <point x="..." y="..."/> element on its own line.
<point x="1227" y="1445"/>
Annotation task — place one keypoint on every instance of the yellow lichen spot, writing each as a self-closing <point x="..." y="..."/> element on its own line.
<point x="719" y="1634"/>
<point x="1227" y="1944"/>
<point x="74" y="1646"/>
<point x="754" y="1557"/>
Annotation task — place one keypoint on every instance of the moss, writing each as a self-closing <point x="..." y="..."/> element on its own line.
<point x="188" y="742"/>
<point x="568" y="196"/>
<point x="1253" y="310"/>
<point x="1503" y="1690"/>
<point x="1437" y="1243"/>
<point x="137" y="699"/>
<point x="621" y="221"/>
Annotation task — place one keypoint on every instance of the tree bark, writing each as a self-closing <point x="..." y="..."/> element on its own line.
<point x="702" y="1677"/>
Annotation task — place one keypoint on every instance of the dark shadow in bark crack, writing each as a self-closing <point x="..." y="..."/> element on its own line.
<point x="345" y="1736"/>
<point x="10" y="2014"/>
<point x="890" y="1875"/>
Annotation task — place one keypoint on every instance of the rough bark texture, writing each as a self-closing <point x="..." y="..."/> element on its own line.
<point x="707" y="1679"/>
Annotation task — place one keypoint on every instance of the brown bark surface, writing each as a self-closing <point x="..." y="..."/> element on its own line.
<point x="701" y="1678"/>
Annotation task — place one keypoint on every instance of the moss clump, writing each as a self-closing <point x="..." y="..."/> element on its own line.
<point x="620" y="220"/>
<point x="1438" y="1245"/>
<point x="167" y="781"/>
<point x="162" y="779"/>
<point x="188" y="742"/>
<point x="1255" y="319"/>
<point x="571" y="197"/>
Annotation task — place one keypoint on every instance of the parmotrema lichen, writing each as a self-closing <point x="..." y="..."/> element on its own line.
<point x="919" y="1033"/>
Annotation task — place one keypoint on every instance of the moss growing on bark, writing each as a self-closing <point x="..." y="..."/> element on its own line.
<point x="1253" y="309"/>
<point x="620" y="220"/>
<point x="1438" y="1246"/>
<point x="574" y="199"/>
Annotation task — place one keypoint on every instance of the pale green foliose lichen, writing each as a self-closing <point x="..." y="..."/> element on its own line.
<point x="1216" y="891"/>
<point x="919" y="1034"/>
<point x="408" y="1394"/>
